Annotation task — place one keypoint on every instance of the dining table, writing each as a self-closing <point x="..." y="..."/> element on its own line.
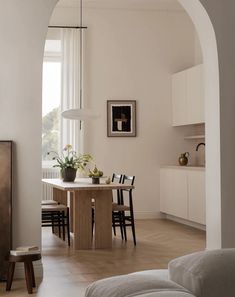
<point x="83" y="196"/>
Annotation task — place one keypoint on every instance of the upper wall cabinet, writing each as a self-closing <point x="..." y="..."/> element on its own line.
<point x="188" y="97"/>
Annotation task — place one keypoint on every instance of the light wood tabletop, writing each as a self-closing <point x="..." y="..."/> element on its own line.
<point x="82" y="191"/>
<point x="84" y="184"/>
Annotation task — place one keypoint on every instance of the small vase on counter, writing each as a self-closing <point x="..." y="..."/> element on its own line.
<point x="183" y="159"/>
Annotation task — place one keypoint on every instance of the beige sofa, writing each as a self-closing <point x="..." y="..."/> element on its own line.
<point x="202" y="274"/>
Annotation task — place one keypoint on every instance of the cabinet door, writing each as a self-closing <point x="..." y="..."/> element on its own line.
<point x="165" y="189"/>
<point x="179" y="99"/>
<point x="197" y="199"/>
<point x="179" y="198"/>
<point x="174" y="192"/>
<point x="195" y="95"/>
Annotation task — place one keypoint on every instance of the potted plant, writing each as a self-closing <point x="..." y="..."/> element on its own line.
<point x="95" y="175"/>
<point x="69" y="162"/>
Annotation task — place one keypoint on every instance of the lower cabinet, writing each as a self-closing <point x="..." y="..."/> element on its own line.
<point x="182" y="193"/>
<point x="196" y="197"/>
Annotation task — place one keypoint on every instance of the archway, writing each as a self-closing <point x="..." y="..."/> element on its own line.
<point x="207" y="37"/>
<point x="23" y="122"/>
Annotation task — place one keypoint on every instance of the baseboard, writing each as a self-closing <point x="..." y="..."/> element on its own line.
<point x="148" y="215"/>
<point x="19" y="270"/>
<point x="186" y="222"/>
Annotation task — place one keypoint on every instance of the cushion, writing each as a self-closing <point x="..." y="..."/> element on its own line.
<point x="165" y="293"/>
<point x="206" y="274"/>
<point x="133" y="284"/>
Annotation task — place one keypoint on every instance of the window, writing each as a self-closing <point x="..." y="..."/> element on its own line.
<point x="60" y="92"/>
<point x="51" y="99"/>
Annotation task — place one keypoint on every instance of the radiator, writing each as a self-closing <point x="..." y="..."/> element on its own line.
<point x="47" y="192"/>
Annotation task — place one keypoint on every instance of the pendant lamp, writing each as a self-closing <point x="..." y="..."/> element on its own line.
<point x="81" y="114"/>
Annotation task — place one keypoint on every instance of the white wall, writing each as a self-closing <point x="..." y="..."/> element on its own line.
<point x="198" y="50"/>
<point x="207" y="38"/>
<point x="23" y="26"/>
<point x="131" y="54"/>
<point x="222" y="210"/>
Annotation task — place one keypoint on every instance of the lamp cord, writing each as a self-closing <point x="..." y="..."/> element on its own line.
<point x="81" y="54"/>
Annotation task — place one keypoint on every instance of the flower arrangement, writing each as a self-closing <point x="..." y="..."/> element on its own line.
<point x="69" y="162"/>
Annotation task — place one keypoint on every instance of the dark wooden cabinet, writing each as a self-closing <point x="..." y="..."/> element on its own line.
<point x="5" y="203"/>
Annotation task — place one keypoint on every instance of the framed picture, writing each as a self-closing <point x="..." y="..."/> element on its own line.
<point x="121" y="118"/>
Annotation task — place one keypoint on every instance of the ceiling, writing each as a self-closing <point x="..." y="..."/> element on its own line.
<point x="125" y="4"/>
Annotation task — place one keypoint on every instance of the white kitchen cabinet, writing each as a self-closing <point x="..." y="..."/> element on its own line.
<point x="195" y="95"/>
<point x="182" y="193"/>
<point x="179" y="98"/>
<point x="188" y="97"/>
<point x="165" y="189"/>
<point x="178" y="200"/>
<point x="196" y="197"/>
<point x="173" y="192"/>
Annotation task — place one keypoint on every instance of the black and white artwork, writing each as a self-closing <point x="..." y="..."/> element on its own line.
<point x="121" y="116"/>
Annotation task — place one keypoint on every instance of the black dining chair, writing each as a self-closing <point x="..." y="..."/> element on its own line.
<point x="56" y="215"/>
<point x="125" y="207"/>
<point x="117" y="216"/>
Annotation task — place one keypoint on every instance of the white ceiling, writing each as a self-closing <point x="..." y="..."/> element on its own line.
<point x="125" y="4"/>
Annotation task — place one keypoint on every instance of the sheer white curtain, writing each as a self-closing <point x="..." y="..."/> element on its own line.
<point x="70" y="76"/>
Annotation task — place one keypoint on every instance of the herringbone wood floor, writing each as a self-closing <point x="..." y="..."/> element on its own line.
<point x="67" y="273"/>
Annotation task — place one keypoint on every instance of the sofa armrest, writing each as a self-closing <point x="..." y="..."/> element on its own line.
<point x="207" y="273"/>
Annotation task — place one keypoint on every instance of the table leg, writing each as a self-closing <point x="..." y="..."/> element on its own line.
<point x="103" y="219"/>
<point x="71" y="197"/>
<point x="28" y="277"/>
<point x="60" y="196"/>
<point x="31" y="269"/>
<point x="82" y="221"/>
<point x="10" y="274"/>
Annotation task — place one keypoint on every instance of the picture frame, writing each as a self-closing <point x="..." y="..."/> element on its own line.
<point x="121" y="118"/>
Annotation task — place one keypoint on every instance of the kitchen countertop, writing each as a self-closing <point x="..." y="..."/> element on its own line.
<point x="188" y="167"/>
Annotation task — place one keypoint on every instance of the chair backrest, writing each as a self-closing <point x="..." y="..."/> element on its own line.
<point x="117" y="178"/>
<point x="128" y="179"/>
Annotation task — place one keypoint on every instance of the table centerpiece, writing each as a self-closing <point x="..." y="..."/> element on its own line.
<point x="95" y="175"/>
<point x="69" y="162"/>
